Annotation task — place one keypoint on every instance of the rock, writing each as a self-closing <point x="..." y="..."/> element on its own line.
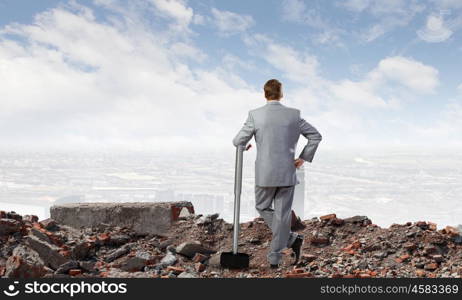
<point x="422" y="225"/>
<point x="189" y="249"/>
<point x="409" y="246"/>
<point x="380" y="254"/>
<point x="30" y="218"/>
<point x="118" y="253"/>
<point x="137" y="262"/>
<point x="187" y="275"/>
<point x="309" y="257"/>
<point x="438" y="258"/>
<point x="184" y="213"/>
<point x="214" y="260"/>
<point x="9" y="226"/>
<point x="118" y="239"/>
<point x="24" y="263"/>
<point x="88" y="266"/>
<point x="47" y="252"/>
<point x="358" y="220"/>
<point x="168" y="260"/>
<point x="199" y="267"/>
<point x="431" y="266"/>
<point x="141" y="217"/>
<point x="40" y="235"/>
<point x="81" y="250"/>
<point x="13" y="215"/>
<point x="48" y="224"/>
<point x="64" y="268"/>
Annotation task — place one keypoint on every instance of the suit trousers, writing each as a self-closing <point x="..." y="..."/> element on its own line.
<point x="277" y="218"/>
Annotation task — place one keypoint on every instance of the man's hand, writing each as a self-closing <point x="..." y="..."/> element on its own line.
<point x="298" y="162"/>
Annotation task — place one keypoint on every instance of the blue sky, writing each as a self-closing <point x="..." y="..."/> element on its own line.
<point x="174" y="73"/>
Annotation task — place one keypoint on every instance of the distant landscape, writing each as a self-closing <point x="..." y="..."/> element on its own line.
<point x="389" y="187"/>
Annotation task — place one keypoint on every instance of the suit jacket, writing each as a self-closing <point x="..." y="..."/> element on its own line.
<point x="277" y="129"/>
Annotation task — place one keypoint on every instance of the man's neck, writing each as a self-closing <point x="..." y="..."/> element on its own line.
<point x="272" y="100"/>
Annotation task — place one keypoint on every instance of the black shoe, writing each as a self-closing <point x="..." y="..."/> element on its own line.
<point x="274" y="266"/>
<point x="297" y="247"/>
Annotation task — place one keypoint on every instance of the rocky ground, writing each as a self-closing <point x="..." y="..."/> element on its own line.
<point x="334" y="247"/>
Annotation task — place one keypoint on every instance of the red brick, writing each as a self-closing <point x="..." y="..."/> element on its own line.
<point x="328" y="217"/>
<point x="74" y="272"/>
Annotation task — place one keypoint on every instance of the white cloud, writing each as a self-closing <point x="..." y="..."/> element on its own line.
<point x="184" y="50"/>
<point x="228" y="22"/>
<point x="177" y="10"/>
<point x="408" y="72"/>
<point x="69" y="80"/>
<point x="435" y="30"/>
<point x="459" y="88"/>
<point x="387" y="15"/>
<point x="295" y="65"/>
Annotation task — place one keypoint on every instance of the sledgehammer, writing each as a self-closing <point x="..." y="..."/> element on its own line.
<point x="236" y="260"/>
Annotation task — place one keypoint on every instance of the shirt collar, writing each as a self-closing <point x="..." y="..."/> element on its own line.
<point x="273" y="102"/>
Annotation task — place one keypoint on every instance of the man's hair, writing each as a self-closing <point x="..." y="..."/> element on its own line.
<point x="273" y="89"/>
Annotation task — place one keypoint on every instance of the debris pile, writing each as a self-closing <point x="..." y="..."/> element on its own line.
<point x="333" y="247"/>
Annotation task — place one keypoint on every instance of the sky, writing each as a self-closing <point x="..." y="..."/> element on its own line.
<point x="177" y="75"/>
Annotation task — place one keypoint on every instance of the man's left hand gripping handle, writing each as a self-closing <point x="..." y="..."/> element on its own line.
<point x="246" y="133"/>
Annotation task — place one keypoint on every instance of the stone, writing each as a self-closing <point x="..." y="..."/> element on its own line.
<point x="422" y="225"/>
<point x="24" y="263"/>
<point x="438" y="258"/>
<point x="137" y="262"/>
<point x="168" y="260"/>
<point x="214" y="260"/>
<point x="40" y="235"/>
<point x="88" y="266"/>
<point x="409" y="246"/>
<point x="308" y="257"/>
<point x="189" y="249"/>
<point x="187" y="275"/>
<point x="118" y="253"/>
<point x="48" y="224"/>
<point x="64" y="268"/>
<point x="199" y="267"/>
<point x="358" y="220"/>
<point x="431" y="266"/>
<point x="118" y="239"/>
<point x="30" y="218"/>
<point x="142" y="217"/>
<point x="48" y="253"/>
<point x="9" y="226"/>
<point x="81" y="250"/>
<point x="184" y="213"/>
<point x="337" y="221"/>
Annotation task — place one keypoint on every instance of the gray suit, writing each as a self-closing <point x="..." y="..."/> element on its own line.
<point x="277" y="129"/>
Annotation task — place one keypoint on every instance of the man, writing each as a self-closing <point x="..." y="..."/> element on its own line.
<point x="277" y="129"/>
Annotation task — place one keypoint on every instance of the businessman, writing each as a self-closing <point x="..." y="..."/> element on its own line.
<point x="277" y="129"/>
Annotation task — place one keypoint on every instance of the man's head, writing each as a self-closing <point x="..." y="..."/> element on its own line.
<point x="273" y="90"/>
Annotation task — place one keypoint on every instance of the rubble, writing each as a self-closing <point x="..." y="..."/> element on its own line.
<point x="191" y="246"/>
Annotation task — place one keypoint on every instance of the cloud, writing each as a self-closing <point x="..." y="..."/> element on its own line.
<point x="435" y="30"/>
<point x="298" y="66"/>
<point x="175" y="9"/>
<point x="386" y="15"/>
<point x="297" y="11"/>
<point x="408" y="72"/>
<point x="69" y="80"/>
<point x="229" y="23"/>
